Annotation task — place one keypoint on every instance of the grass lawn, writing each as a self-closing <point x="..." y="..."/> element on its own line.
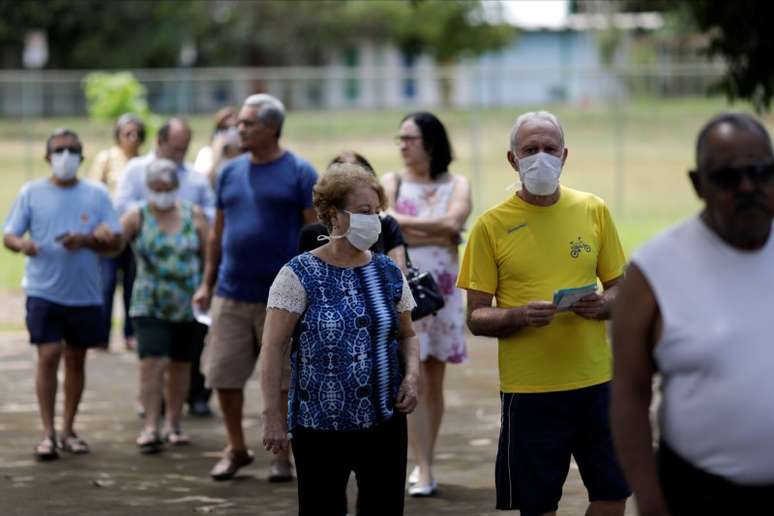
<point x="635" y="157"/>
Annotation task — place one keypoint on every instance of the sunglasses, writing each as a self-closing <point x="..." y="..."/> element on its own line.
<point x="71" y="149"/>
<point x="729" y="178"/>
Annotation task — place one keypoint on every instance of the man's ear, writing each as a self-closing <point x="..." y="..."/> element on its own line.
<point x="565" y="152"/>
<point x="512" y="160"/>
<point x="697" y="183"/>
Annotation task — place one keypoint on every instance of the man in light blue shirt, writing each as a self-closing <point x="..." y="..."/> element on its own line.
<point x="172" y="144"/>
<point x="69" y="223"/>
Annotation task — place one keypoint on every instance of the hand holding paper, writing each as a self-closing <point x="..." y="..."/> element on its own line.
<point x="565" y="298"/>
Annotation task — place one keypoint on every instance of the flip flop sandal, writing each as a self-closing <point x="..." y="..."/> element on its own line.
<point x="149" y="442"/>
<point x="73" y="444"/>
<point x="46" y="449"/>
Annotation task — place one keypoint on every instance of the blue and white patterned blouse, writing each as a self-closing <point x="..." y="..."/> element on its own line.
<point x="344" y="361"/>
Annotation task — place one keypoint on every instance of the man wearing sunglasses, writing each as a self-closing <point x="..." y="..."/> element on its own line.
<point x="69" y="223"/>
<point x="696" y="308"/>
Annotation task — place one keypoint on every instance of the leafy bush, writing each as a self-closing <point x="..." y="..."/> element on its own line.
<point x="109" y="95"/>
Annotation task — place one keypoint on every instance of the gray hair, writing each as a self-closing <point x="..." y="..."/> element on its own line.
<point x="163" y="170"/>
<point x="535" y="115"/>
<point x="271" y="112"/>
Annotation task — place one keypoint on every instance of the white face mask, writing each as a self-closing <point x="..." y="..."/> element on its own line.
<point x="162" y="200"/>
<point x="540" y="173"/>
<point x="363" y="230"/>
<point x="65" y="165"/>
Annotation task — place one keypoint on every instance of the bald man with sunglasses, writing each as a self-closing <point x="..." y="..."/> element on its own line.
<point x="695" y="307"/>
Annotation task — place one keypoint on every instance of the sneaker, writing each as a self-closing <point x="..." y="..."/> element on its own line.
<point x="427" y="491"/>
<point x="413" y="477"/>
<point x="232" y="461"/>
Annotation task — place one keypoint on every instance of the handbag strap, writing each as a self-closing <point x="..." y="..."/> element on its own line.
<point x="398" y="182"/>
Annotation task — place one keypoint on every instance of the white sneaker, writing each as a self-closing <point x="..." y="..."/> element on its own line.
<point x="413" y="478"/>
<point x="416" y="491"/>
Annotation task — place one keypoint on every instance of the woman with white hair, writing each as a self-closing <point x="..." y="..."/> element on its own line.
<point x="168" y="236"/>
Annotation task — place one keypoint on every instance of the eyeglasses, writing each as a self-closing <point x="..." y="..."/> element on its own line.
<point x="71" y="149"/>
<point x="406" y="138"/>
<point x="130" y="134"/>
<point x="729" y="178"/>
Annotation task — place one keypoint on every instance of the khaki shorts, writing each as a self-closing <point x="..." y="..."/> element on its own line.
<point x="233" y="344"/>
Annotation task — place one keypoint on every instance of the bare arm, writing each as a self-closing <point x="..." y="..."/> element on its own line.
<point x="203" y="295"/>
<point x="409" y="349"/>
<point x="130" y="224"/>
<point x="102" y="241"/>
<point x="598" y="306"/>
<point x="484" y="319"/>
<point x="450" y="223"/>
<point x="416" y="238"/>
<point x="19" y="244"/>
<point x="398" y="255"/>
<point x="635" y="328"/>
<point x="202" y="231"/>
<point x="277" y="332"/>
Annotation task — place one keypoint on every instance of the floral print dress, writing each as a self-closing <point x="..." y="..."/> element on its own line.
<point x="441" y="336"/>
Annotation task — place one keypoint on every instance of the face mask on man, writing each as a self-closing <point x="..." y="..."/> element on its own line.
<point x="540" y="173"/>
<point x="162" y="200"/>
<point x="363" y="230"/>
<point x="64" y="164"/>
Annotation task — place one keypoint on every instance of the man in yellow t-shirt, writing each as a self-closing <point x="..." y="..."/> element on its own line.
<point x="555" y="366"/>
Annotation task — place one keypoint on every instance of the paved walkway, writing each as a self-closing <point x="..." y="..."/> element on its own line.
<point x="115" y="480"/>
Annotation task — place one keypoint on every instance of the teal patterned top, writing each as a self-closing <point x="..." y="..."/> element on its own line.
<point x="168" y="268"/>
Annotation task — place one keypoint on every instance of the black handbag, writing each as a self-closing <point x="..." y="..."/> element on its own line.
<point x="425" y="290"/>
<point x="423" y="287"/>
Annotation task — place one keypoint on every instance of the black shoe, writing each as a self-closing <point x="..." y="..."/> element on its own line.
<point x="199" y="409"/>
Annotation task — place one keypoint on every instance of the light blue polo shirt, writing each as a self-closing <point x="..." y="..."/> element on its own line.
<point x="45" y="211"/>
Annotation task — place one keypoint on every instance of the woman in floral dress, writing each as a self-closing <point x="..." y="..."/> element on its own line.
<point x="431" y="205"/>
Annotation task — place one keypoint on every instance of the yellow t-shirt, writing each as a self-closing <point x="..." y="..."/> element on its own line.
<point x="519" y="253"/>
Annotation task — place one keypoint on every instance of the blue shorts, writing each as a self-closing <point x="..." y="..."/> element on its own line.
<point x="49" y="322"/>
<point x="539" y="433"/>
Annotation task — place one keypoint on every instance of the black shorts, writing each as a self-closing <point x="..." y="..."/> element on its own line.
<point x="539" y="433"/>
<point x="689" y="490"/>
<point x="49" y="322"/>
<point x="160" y="338"/>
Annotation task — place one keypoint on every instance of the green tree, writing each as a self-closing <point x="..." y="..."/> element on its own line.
<point x="738" y="31"/>
<point x="109" y="95"/>
<point x="150" y="33"/>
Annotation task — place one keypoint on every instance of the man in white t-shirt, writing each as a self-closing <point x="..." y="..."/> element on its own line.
<point x="695" y="307"/>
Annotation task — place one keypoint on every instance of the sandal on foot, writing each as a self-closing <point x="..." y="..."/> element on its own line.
<point x="280" y="471"/>
<point x="149" y="442"/>
<point x="73" y="444"/>
<point x="177" y="438"/>
<point x="226" y="468"/>
<point x="46" y="449"/>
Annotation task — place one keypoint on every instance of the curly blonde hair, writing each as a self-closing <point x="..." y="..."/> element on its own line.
<point x="339" y="180"/>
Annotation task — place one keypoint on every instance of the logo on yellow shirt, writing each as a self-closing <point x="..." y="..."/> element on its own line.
<point x="577" y="246"/>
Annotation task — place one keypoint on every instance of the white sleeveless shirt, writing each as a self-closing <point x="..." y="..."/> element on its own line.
<point x="716" y="352"/>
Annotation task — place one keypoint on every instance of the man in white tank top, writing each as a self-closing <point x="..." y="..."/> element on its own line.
<point x="696" y="308"/>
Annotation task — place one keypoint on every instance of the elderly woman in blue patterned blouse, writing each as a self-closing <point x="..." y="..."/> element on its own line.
<point x="354" y="356"/>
